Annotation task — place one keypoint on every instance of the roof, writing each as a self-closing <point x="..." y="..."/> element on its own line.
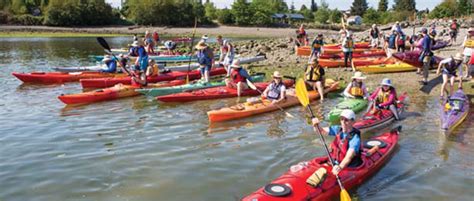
<point x="288" y="15"/>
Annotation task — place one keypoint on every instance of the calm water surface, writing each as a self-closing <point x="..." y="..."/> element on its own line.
<point x="137" y="149"/>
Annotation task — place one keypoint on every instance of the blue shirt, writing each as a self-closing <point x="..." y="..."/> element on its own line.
<point x="354" y="143"/>
<point x="111" y="67"/>
<point x="245" y="74"/>
<point x="426" y="44"/>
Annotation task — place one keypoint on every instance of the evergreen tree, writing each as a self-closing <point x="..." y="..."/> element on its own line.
<point x="210" y="10"/>
<point x="292" y="7"/>
<point x="314" y="6"/>
<point x="359" y="7"/>
<point x="242" y="12"/>
<point x="383" y="6"/>
<point x="405" y="5"/>
<point x="303" y="8"/>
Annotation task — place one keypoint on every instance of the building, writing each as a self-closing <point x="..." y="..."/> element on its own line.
<point x="288" y="17"/>
<point x="356" y="20"/>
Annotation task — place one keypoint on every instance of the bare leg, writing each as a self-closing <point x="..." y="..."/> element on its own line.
<point x="393" y="109"/>
<point x="451" y="85"/>
<point x="443" y="86"/>
<point x="320" y="90"/>
<point x="239" y="88"/>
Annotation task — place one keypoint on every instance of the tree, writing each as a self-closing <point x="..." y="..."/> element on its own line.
<point x="322" y="15"/>
<point x="242" y="12"/>
<point x="19" y="7"/>
<point x="225" y="16"/>
<point x="465" y="7"/>
<point x="359" y="7"/>
<point x="324" y="4"/>
<point x="306" y="12"/>
<point x="210" y="10"/>
<point x="383" y="5"/>
<point x="448" y="8"/>
<point x="292" y="7"/>
<point x="371" y="16"/>
<point x="404" y="5"/>
<point x="314" y="6"/>
<point x="335" y="16"/>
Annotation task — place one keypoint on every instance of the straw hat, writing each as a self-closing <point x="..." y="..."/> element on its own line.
<point x="135" y="43"/>
<point x="276" y="74"/>
<point x="236" y="64"/>
<point x="358" y="75"/>
<point x="458" y="57"/>
<point x="107" y="58"/>
<point x="201" y="45"/>
<point x="386" y="82"/>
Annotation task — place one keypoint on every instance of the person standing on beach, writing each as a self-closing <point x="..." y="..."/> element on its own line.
<point x="374" y="36"/>
<point x="468" y="45"/>
<point x="454" y="29"/>
<point x="392" y="45"/>
<point x="150" y="45"/>
<point x="347" y="48"/>
<point x="426" y="54"/>
<point x="317" y="46"/>
<point x="450" y="67"/>
<point x="156" y="38"/>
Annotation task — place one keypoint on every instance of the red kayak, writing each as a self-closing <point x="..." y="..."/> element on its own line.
<point x="61" y="77"/>
<point x="292" y="185"/>
<point x="411" y="57"/>
<point x="372" y="120"/>
<point x="173" y="75"/>
<point x="359" y="45"/>
<point x="378" y="53"/>
<point x="112" y="93"/>
<point x="216" y="93"/>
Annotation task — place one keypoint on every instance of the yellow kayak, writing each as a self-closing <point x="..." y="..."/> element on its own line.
<point x="387" y="68"/>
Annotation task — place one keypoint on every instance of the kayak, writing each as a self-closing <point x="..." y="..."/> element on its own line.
<point x="112" y="93"/>
<point x="387" y="68"/>
<point x="411" y="57"/>
<point x="354" y="104"/>
<point x="372" y="120"/>
<point x="263" y="106"/>
<point x="359" y="45"/>
<point x="61" y="77"/>
<point x="306" y="50"/>
<point x="333" y="63"/>
<point x="292" y="185"/>
<point x="245" y="60"/>
<point x="215" y="93"/>
<point x="454" y="110"/>
<point x="192" y="86"/>
<point x="377" y="53"/>
<point x="108" y="82"/>
<point x="161" y="58"/>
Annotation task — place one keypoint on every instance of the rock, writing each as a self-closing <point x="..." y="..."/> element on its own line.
<point x="282" y="45"/>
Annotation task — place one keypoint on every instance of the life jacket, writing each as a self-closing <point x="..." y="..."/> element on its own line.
<point x="374" y="33"/>
<point x="134" y="51"/>
<point x="391" y="41"/>
<point x="275" y="91"/>
<point x="237" y="77"/>
<point x="339" y="148"/>
<point x="349" y="43"/>
<point x="312" y="74"/>
<point x="204" y="56"/>
<point x="317" y="44"/>
<point x="156" y="36"/>
<point x="383" y="96"/>
<point x="451" y="67"/>
<point x="155" y="70"/>
<point x="302" y="32"/>
<point x="401" y="40"/>
<point x="454" y="26"/>
<point x="356" y="89"/>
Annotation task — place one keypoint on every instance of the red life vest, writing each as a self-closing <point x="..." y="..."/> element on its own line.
<point x="340" y="147"/>
<point x="236" y="77"/>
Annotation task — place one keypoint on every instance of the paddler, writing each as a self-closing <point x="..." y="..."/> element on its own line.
<point x="317" y="46"/>
<point x="152" y="69"/>
<point x="346" y="148"/>
<point x="238" y="77"/>
<point x="139" y="51"/>
<point x="450" y="66"/>
<point x="468" y="45"/>
<point x="138" y="77"/>
<point x="229" y="53"/>
<point x="385" y="97"/>
<point x="314" y="77"/>
<point x="205" y="58"/>
<point x="356" y="88"/>
<point x="426" y="54"/>
<point x="347" y="48"/>
<point x="276" y="90"/>
<point x="110" y="65"/>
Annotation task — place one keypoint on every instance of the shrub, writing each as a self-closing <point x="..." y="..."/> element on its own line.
<point x="28" y="20"/>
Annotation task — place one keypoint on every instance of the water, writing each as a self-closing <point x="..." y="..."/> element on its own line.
<point x="137" y="149"/>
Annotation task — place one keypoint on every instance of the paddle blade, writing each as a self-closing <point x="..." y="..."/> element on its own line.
<point x="103" y="43"/>
<point x="302" y="92"/>
<point x="251" y="85"/>
<point x="345" y="195"/>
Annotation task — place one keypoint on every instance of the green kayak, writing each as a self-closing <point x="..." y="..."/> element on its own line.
<point x="192" y="86"/>
<point x="355" y="105"/>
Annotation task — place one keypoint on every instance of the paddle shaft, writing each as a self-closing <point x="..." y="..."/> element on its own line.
<point x="325" y="147"/>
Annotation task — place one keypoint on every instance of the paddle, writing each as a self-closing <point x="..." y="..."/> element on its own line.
<point x="302" y="95"/>
<point x="191" y="51"/>
<point x="252" y="86"/>
<point x="106" y="46"/>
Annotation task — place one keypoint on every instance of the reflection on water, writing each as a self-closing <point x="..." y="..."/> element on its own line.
<point x="139" y="149"/>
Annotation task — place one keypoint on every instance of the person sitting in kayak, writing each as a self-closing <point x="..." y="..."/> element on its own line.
<point x="205" y="58"/>
<point x="139" y="51"/>
<point x="138" y="77"/>
<point x="317" y="46"/>
<point x="276" y="90"/>
<point x="385" y="97"/>
<point x="152" y="69"/>
<point x="238" y="77"/>
<point x="347" y="48"/>
<point x="450" y="66"/>
<point x="346" y="148"/>
<point x="356" y="88"/>
<point x="110" y="64"/>
<point x="314" y="77"/>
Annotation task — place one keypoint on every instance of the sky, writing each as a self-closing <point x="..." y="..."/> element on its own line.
<point x="340" y="4"/>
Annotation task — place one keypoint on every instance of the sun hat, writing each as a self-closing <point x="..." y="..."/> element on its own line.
<point x="107" y="58"/>
<point x="135" y="43"/>
<point x="458" y="57"/>
<point x="374" y="25"/>
<point x="348" y="114"/>
<point x="236" y="64"/>
<point x="358" y="75"/>
<point x="276" y="74"/>
<point x="205" y="37"/>
<point x="386" y="82"/>
<point x="201" y="45"/>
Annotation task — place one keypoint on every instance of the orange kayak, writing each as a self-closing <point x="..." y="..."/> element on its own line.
<point x="61" y="77"/>
<point x="112" y="93"/>
<point x="306" y="50"/>
<point x="250" y="109"/>
<point x="332" y="63"/>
